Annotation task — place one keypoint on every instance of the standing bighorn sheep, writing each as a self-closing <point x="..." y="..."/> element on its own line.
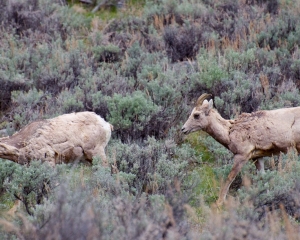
<point x="250" y="136"/>
<point x="66" y="138"/>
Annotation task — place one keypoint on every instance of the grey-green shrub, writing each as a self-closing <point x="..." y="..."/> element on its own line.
<point x="153" y="165"/>
<point x="274" y="188"/>
<point x="144" y="199"/>
<point x="131" y="113"/>
<point x="31" y="184"/>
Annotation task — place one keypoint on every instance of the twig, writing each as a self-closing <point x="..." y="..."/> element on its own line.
<point x="87" y="1"/>
<point x="99" y="6"/>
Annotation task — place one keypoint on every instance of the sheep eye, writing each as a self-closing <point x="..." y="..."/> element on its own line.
<point x="196" y="116"/>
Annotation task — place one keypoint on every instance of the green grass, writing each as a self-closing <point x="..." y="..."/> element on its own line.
<point x="194" y="140"/>
<point x="208" y="186"/>
<point x="6" y="203"/>
<point x="132" y="7"/>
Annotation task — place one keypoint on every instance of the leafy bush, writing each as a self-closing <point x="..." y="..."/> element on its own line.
<point x="182" y="44"/>
<point x="284" y="28"/>
<point x="28" y="16"/>
<point x="71" y="101"/>
<point x="79" y="215"/>
<point x="275" y="189"/>
<point x="110" y="53"/>
<point x="11" y="77"/>
<point x="153" y="165"/>
<point x="7" y="170"/>
<point x="31" y="184"/>
<point x="130" y="114"/>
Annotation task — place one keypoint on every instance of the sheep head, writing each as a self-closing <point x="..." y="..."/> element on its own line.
<point x="198" y="119"/>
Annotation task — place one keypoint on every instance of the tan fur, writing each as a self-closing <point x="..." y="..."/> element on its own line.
<point x="66" y="138"/>
<point x="250" y="136"/>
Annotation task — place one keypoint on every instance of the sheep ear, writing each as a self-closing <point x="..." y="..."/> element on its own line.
<point x="205" y="102"/>
<point x="210" y="104"/>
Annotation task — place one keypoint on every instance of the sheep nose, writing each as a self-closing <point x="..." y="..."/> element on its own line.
<point x="183" y="129"/>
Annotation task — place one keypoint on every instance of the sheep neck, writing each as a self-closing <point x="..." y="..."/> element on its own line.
<point x="218" y="128"/>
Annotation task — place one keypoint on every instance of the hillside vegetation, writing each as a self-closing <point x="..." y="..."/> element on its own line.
<point x="141" y="66"/>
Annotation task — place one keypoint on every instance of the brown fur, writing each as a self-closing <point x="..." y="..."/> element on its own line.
<point x="66" y="138"/>
<point x="249" y="136"/>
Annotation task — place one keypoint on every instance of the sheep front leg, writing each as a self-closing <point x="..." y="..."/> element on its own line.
<point x="239" y="162"/>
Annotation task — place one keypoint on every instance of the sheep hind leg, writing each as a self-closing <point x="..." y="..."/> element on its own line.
<point x="259" y="164"/>
<point x="97" y="152"/>
<point x="239" y="162"/>
<point x="103" y="157"/>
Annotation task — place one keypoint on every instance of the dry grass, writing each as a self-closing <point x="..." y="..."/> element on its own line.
<point x="265" y="85"/>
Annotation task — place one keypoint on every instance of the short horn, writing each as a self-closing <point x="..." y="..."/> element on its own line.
<point x="202" y="98"/>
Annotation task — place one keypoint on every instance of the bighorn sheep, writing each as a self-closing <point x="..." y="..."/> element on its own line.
<point x="249" y="136"/>
<point x="66" y="138"/>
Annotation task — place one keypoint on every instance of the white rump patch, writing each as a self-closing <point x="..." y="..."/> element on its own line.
<point x="106" y="127"/>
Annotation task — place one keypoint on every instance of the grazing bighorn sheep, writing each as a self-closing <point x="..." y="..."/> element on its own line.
<point x="250" y="136"/>
<point x="66" y="138"/>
